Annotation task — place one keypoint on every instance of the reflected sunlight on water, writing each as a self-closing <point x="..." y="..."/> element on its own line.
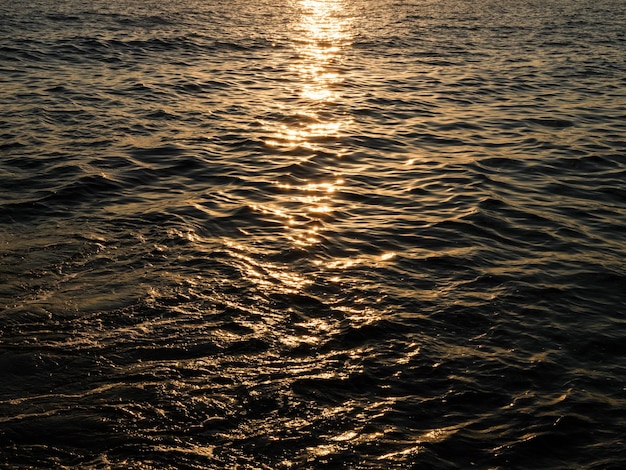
<point x="267" y="276"/>
<point x="302" y="234"/>
<point x="325" y="33"/>
<point x="321" y="33"/>
<point x="318" y="37"/>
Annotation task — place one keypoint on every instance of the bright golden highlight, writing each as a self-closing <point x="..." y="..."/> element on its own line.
<point x="323" y="39"/>
<point x="310" y="125"/>
<point x="319" y="37"/>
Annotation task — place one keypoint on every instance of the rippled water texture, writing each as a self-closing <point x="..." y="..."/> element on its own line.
<point x="303" y="234"/>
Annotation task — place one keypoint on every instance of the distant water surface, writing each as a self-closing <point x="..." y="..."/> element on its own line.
<point x="305" y="234"/>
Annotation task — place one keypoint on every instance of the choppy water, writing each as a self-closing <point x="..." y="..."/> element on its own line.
<point x="313" y="234"/>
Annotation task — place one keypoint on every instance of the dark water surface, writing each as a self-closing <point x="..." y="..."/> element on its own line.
<point x="302" y="234"/>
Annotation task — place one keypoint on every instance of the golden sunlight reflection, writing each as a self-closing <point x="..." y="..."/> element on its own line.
<point x="312" y="124"/>
<point x="320" y="35"/>
<point x="340" y="264"/>
<point x="314" y="203"/>
<point x="306" y="136"/>
<point x="324" y="34"/>
<point x="304" y="125"/>
<point x="270" y="276"/>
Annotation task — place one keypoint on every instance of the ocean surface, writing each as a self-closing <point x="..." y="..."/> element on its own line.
<point x="308" y="234"/>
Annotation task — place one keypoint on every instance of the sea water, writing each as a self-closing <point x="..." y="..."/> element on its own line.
<point x="304" y="234"/>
